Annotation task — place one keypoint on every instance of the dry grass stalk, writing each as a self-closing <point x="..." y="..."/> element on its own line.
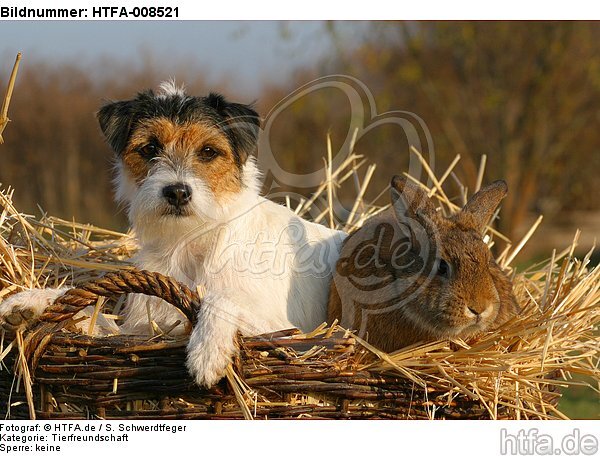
<point x="480" y="173"/>
<point x="6" y="103"/>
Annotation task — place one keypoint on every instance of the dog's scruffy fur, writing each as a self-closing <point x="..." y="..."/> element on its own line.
<point x="186" y="175"/>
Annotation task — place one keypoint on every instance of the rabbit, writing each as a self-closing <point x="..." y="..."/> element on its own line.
<point x="410" y="275"/>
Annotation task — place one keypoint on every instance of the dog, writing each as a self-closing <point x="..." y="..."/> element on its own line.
<point x="186" y="174"/>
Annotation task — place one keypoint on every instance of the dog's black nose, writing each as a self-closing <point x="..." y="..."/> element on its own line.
<point x="177" y="194"/>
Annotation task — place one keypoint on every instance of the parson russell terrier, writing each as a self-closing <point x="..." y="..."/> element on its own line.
<point x="185" y="173"/>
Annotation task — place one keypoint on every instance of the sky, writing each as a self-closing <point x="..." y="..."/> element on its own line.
<point x="246" y="53"/>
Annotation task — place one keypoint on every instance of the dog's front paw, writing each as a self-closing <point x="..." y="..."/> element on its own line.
<point x="213" y="341"/>
<point x="207" y="362"/>
<point x="22" y="309"/>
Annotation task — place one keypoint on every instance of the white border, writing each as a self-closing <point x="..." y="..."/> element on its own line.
<point x="350" y="10"/>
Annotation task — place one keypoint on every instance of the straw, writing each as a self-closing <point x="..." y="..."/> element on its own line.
<point x="6" y="103"/>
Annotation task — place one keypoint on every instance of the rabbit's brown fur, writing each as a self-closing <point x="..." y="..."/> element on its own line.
<point x="412" y="275"/>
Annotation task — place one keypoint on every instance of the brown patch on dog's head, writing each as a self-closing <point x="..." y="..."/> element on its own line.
<point x="200" y="147"/>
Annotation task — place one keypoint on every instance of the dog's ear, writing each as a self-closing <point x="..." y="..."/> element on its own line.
<point x="115" y="122"/>
<point x="241" y="124"/>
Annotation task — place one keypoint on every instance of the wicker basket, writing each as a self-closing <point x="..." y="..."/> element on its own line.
<point x="283" y="375"/>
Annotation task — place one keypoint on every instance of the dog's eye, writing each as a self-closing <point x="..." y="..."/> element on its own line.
<point x="207" y="153"/>
<point x="443" y="269"/>
<point x="149" y="151"/>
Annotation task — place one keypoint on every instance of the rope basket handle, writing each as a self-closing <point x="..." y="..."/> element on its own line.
<point x="115" y="284"/>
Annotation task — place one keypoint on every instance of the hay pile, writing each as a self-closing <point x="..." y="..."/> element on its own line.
<point x="516" y="372"/>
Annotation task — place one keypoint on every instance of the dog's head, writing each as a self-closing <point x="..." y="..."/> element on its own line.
<point x="180" y="158"/>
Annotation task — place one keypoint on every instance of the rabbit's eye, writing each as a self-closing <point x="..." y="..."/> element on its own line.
<point x="443" y="269"/>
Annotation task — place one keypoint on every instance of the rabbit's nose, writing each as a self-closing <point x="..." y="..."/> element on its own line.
<point x="474" y="310"/>
<point x="478" y="309"/>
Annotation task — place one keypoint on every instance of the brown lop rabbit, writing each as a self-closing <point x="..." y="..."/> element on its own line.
<point x="412" y="275"/>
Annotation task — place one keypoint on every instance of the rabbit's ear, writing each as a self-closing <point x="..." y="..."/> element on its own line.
<point x="410" y="200"/>
<point x="483" y="203"/>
